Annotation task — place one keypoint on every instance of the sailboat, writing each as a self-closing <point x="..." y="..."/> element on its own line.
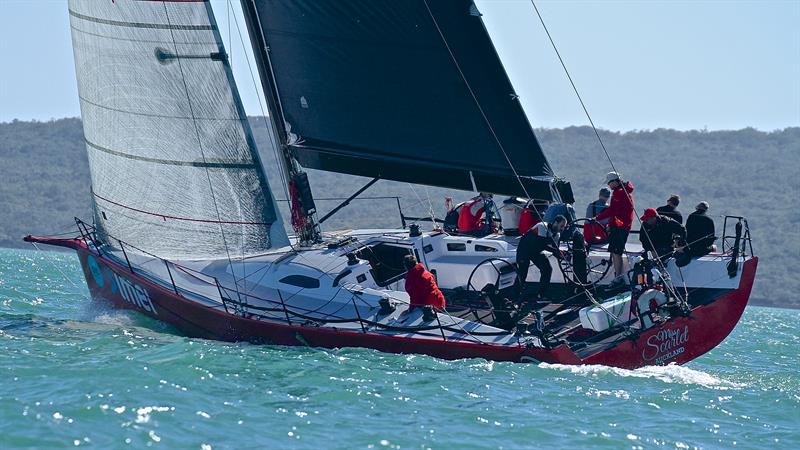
<point x="187" y="230"/>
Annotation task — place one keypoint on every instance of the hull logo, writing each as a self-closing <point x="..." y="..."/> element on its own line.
<point x="128" y="290"/>
<point x="94" y="268"/>
<point x="665" y="345"/>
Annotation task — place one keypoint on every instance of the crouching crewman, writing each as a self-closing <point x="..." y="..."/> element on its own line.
<point x="542" y="237"/>
<point x="421" y="286"/>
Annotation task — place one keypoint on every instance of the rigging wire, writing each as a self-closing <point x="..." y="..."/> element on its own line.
<point x="491" y="129"/>
<point x="284" y="183"/>
<point x="230" y="41"/>
<point x="475" y="99"/>
<point x="600" y="140"/>
<point x="55" y="266"/>
<point x="200" y="147"/>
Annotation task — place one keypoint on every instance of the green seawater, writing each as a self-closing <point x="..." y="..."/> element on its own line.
<point x="77" y="374"/>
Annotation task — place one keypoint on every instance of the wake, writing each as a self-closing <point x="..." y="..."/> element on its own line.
<point x="671" y="373"/>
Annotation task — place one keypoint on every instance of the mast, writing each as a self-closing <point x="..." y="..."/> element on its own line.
<point x="302" y="207"/>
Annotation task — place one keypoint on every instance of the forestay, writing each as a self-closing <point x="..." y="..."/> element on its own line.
<point x="407" y="90"/>
<point x="174" y="167"/>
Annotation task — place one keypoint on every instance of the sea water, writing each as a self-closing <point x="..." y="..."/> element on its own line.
<point x="74" y="373"/>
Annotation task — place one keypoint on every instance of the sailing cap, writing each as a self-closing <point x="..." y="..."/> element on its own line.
<point x="611" y="176"/>
<point x="702" y="206"/>
<point x="649" y="213"/>
<point x="605" y="192"/>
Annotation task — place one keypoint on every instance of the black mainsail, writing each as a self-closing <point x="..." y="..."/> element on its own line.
<point x="174" y="167"/>
<point x="407" y="90"/>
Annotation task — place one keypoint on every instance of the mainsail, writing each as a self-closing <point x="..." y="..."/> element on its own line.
<point x="174" y="167"/>
<point x="409" y="90"/>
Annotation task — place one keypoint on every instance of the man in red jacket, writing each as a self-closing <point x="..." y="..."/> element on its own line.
<point x="421" y="286"/>
<point x="620" y="215"/>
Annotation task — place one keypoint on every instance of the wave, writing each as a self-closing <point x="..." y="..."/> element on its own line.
<point x="671" y="373"/>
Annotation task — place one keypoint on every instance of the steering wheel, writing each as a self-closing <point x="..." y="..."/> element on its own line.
<point x="494" y="287"/>
<point x="595" y="270"/>
<point x="492" y="261"/>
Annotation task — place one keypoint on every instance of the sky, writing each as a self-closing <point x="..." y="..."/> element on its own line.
<point x="638" y="64"/>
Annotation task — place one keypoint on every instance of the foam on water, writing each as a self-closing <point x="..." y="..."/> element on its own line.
<point x="671" y="373"/>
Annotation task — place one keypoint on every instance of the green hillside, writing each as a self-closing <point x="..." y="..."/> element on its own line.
<point x="45" y="182"/>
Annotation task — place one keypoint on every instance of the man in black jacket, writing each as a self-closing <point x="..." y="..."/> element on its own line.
<point x="700" y="233"/>
<point x="658" y="233"/>
<point x="542" y="237"/>
<point x="671" y="209"/>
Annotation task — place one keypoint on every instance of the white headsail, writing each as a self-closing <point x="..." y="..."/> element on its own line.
<point x="174" y="167"/>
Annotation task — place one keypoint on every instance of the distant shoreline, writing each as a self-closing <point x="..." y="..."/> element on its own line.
<point x="46" y="182"/>
<point x="537" y="129"/>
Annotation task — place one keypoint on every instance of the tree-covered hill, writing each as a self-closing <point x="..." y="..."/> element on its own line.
<point x="44" y="182"/>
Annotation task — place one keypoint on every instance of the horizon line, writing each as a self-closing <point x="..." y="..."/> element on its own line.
<point x="564" y="127"/>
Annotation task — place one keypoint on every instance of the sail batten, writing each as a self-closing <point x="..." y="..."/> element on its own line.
<point x="174" y="167"/>
<point x="407" y="90"/>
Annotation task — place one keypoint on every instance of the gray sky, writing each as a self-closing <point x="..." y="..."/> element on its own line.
<point x="638" y="64"/>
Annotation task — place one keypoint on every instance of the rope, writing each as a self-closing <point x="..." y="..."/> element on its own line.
<point x="483" y="114"/>
<point x="475" y="98"/>
<point x="284" y="183"/>
<point x="200" y="147"/>
<point x="57" y="268"/>
<point x="599" y="139"/>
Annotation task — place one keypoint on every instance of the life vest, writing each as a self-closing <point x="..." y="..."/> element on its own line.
<point x="527" y="219"/>
<point x="469" y="221"/>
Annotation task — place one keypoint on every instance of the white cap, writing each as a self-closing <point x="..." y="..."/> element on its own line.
<point x="611" y="176"/>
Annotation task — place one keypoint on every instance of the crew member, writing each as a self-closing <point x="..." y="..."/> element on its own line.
<point x="594" y="232"/>
<point x="671" y="209"/>
<point x="559" y="209"/>
<point x="700" y="232"/>
<point x="421" y="286"/>
<point x="475" y="217"/>
<point x="620" y="218"/>
<point x="658" y="233"/>
<point x="452" y="215"/>
<point x="542" y="237"/>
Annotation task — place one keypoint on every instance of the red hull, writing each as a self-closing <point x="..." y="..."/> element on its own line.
<point x="678" y="340"/>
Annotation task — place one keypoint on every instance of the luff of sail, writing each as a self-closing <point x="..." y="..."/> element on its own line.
<point x="409" y="90"/>
<point x="174" y="167"/>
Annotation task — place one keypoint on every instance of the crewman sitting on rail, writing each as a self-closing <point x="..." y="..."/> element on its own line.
<point x="542" y="237"/>
<point x="421" y="286"/>
<point x="476" y="215"/>
<point x="700" y="231"/>
<point x="658" y="233"/>
<point x="671" y="208"/>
